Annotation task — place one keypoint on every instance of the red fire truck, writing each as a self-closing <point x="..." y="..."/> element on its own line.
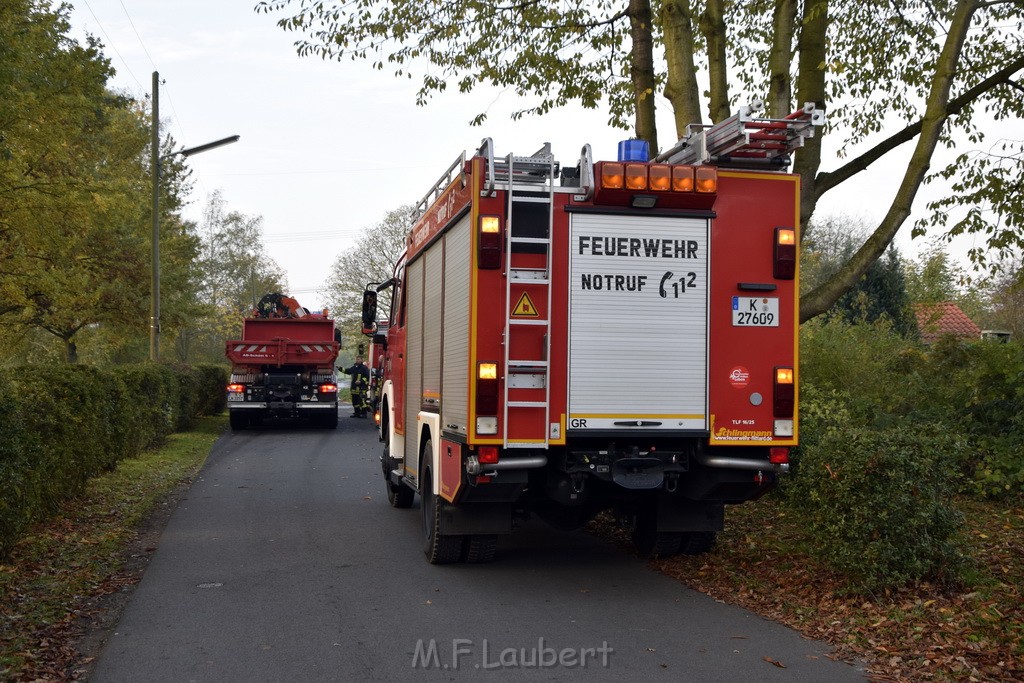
<point x="618" y="335"/>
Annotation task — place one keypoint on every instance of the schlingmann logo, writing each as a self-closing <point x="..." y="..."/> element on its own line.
<point x="466" y="653"/>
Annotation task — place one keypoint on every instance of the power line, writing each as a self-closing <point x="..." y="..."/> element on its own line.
<point x="112" y="46"/>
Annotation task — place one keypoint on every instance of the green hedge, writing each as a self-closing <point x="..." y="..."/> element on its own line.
<point x="61" y="425"/>
<point x="878" y="504"/>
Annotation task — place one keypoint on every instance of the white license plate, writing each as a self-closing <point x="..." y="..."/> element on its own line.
<point x="755" y="311"/>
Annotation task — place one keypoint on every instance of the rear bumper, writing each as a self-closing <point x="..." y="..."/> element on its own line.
<point x="257" y="405"/>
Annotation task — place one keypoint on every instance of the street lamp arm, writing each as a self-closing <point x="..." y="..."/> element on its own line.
<point x="209" y="145"/>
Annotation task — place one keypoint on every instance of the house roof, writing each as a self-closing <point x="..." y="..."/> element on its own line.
<point x="935" y="321"/>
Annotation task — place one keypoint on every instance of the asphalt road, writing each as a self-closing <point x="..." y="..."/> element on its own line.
<point x="285" y="562"/>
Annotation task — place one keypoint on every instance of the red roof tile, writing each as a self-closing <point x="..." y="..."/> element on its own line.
<point x="935" y="321"/>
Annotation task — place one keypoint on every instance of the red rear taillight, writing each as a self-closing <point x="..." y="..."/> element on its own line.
<point x="778" y="455"/>
<point x="236" y="388"/>
<point x="487" y="389"/>
<point x="487" y="455"/>
<point x="785" y="392"/>
<point x="785" y="253"/>
<point x="489" y="243"/>
<point x="328" y="388"/>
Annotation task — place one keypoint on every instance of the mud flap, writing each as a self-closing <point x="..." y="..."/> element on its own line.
<point x="477" y="518"/>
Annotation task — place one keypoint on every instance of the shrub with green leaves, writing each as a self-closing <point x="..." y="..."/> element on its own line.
<point x="60" y="425"/>
<point x="878" y="504"/>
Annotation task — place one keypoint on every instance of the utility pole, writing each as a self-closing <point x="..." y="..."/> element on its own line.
<point x="154" y="309"/>
<point x="154" y="298"/>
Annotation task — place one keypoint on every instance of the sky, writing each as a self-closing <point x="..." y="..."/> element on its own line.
<point x="326" y="149"/>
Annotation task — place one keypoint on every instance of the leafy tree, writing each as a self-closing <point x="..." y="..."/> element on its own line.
<point x="372" y="259"/>
<point x="233" y="271"/>
<point x="74" y="193"/>
<point x="934" y="277"/>
<point x="921" y="74"/>
<point x="1005" y="296"/>
<point x="880" y="292"/>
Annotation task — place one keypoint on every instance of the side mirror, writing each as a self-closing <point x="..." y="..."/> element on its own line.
<point x="369" y="311"/>
<point x="380" y="339"/>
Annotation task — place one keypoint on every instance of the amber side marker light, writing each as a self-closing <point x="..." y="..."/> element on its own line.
<point x="636" y="176"/>
<point x="707" y="179"/>
<point x="682" y="179"/>
<point x="660" y="177"/>
<point x="612" y="176"/>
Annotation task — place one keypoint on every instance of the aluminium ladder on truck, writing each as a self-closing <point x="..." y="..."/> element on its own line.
<point x="530" y="184"/>
<point x="743" y="139"/>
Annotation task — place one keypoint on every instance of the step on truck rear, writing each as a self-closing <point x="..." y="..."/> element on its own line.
<point x="618" y="335"/>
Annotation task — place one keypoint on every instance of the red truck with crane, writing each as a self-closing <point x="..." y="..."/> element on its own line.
<point x="283" y="366"/>
<point x="618" y="335"/>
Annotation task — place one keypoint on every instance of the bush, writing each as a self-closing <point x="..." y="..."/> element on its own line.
<point x="877" y="503"/>
<point x="61" y="425"/>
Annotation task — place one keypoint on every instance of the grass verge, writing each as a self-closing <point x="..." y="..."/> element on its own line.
<point x="55" y="580"/>
<point x="923" y="632"/>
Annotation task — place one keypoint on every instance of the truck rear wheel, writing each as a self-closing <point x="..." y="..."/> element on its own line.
<point x="399" y="495"/>
<point x="438" y="547"/>
<point x="238" y="420"/>
<point x="698" y="542"/>
<point x="479" y="548"/>
<point x="329" y="420"/>
<point x="649" y="540"/>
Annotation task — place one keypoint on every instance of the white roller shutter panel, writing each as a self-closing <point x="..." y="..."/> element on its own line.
<point x="638" y="323"/>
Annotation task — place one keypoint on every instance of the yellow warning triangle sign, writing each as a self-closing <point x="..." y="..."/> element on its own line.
<point x="525" y="307"/>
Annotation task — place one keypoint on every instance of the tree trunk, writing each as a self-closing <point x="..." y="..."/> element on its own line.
<point x="642" y="71"/>
<point x="681" y="80"/>
<point x="712" y="26"/>
<point x="780" y="60"/>
<point x="70" y="351"/>
<point x="821" y="299"/>
<point x="810" y="87"/>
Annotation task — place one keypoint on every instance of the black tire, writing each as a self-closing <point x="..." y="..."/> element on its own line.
<point x="238" y="420"/>
<point x="438" y="546"/>
<point x="329" y="420"/>
<point x="479" y="548"/>
<point x="399" y="495"/>
<point x="649" y="541"/>
<point x="698" y="542"/>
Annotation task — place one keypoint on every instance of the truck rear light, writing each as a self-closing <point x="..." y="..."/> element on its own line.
<point x="785" y="254"/>
<point x="682" y="178"/>
<point x="784" y="392"/>
<point x="707" y="179"/>
<point x="489" y="243"/>
<point x="612" y="175"/>
<point x="487" y="455"/>
<point x="328" y="388"/>
<point x="660" y="177"/>
<point x="636" y="176"/>
<point x="487" y="389"/>
<point x="778" y="455"/>
<point x="236" y="388"/>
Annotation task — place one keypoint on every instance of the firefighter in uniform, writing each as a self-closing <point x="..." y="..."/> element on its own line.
<point x="360" y="375"/>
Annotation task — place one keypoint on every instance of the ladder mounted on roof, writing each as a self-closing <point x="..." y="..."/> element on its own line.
<point x="745" y="140"/>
